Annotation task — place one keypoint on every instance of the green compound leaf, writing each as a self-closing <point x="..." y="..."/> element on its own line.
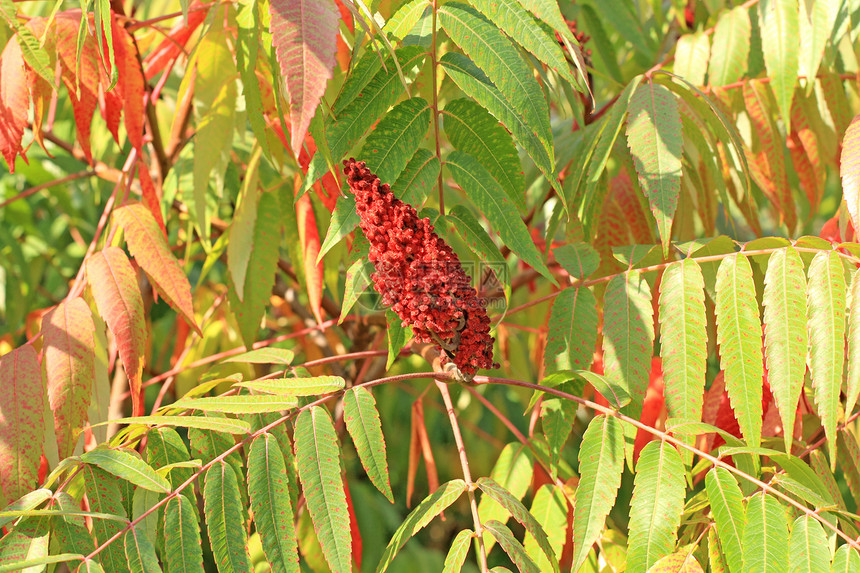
<point x="429" y="508"/>
<point x="683" y="340"/>
<point x="105" y="497"/>
<point x="780" y="33"/>
<point x="785" y="333"/>
<point x="392" y="144"/>
<point x="572" y="334"/>
<point x="140" y="552"/>
<point x="502" y="63"/>
<point x="654" y="137"/>
<point x="727" y="506"/>
<point x="270" y="502"/>
<point x="458" y="552"/>
<point x="739" y="337"/>
<point x="731" y="47"/>
<point x="826" y="299"/>
<point x="601" y="461"/>
<point x="512" y="547"/>
<point x="471" y="129"/>
<point x="484" y="191"/>
<point x="765" y="535"/>
<point x="183" y="553"/>
<point x="128" y="467"/>
<point x="238" y="404"/>
<point x="318" y="459"/>
<point x="657" y="505"/>
<point x="397" y="336"/>
<point x="223" y="508"/>
<point x="808" y="548"/>
<point x="363" y="425"/>
<point x="315" y="386"/>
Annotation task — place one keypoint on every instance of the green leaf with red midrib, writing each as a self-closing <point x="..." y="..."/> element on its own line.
<point x="117" y="295"/>
<point x="304" y="33"/>
<point x="104" y="496"/>
<point x="22" y="399"/>
<point x="362" y="422"/>
<point x="68" y="354"/>
<point x="223" y="507"/>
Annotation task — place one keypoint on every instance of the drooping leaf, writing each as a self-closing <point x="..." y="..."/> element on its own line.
<point x="512" y="546"/>
<point x="613" y="390"/>
<point x="22" y="425"/>
<point x="128" y="467"/>
<point x="241" y="243"/>
<point x="728" y="510"/>
<point x="826" y="299"/>
<point x="183" y="554"/>
<point x="808" y="549"/>
<point x="785" y="333"/>
<point x="731" y="47"/>
<point x="266" y="355"/>
<point x="14" y="103"/>
<point x="845" y="560"/>
<point x="140" y="552"/>
<point x="419" y="517"/>
<point x="152" y="253"/>
<point x="484" y="191"/>
<point x="655" y="142"/>
<point x="68" y="355"/>
<point x="471" y="129"/>
<point x="739" y="338"/>
<point x="849" y="170"/>
<point x="549" y="508"/>
<point x="304" y="34"/>
<point x="223" y="507"/>
<point x="362" y="422"/>
<point x="104" y="496"/>
<point x="601" y="461"/>
<point x="238" y="404"/>
<point x="131" y="83"/>
<point x="513" y="472"/>
<point x="296" y="386"/>
<point x="79" y="66"/>
<point x="572" y="335"/>
<point x="780" y="33"/>
<point x="765" y="535"/>
<point x="458" y="552"/>
<point x="692" y="52"/>
<point x="270" y="502"/>
<point x="683" y="339"/>
<point x="318" y="460"/>
<point x="579" y="259"/>
<point x="853" y="390"/>
<point x="309" y="240"/>
<point x="118" y="300"/>
<point x="657" y="504"/>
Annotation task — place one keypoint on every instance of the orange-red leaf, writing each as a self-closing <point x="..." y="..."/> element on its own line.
<point x="131" y="84"/>
<point x="310" y="239"/>
<point x="849" y="169"/>
<point x="22" y="424"/>
<point x="14" y="102"/>
<point x="69" y="356"/>
<point x="152" y="253"/>
<point x="174" y="44"/>
<point x="117" y="295"/>
<point x="150" y="196"/>
<point x="83" y="105"/>
<point x="809" y="167"/>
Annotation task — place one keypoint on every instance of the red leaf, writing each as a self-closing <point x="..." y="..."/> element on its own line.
<point x="150" y="196"/>
<point x="68" y="353"/>
<point x="310" y="239"/>
<point x="174" y="44"/>
<point x="152" y="253"/>
<point x="83" y="106"/>
<point x="117" y="295"/>
<point x="22" y="423"/>
<point x="131" y="84"/>
<point x="653" y="409"/>
<point x="849" y="169"/>
<point x="41" y="92"/>
<point x="353" y="527"/>
<point x="806" y="156"/>
<point x="637" y="220"/>
<point x="14" y="102"/>
<point x="304" y="33"/>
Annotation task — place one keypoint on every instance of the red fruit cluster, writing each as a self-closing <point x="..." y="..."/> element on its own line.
<point x="419" y="276"/>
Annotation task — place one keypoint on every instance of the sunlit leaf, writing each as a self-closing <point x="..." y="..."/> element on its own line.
<point x="765" y="535"/>
<point x="731" y="47"/>
<point x="728" y="510"/>
<point x="780" y="34"/>
<point x="223" y="507"/>
<point x="128" y="467"/>
<point x="296" y="386"/>
<point x="362" y="422"/>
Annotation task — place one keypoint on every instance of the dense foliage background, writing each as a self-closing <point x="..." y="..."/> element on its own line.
<point x="655" y="199"/>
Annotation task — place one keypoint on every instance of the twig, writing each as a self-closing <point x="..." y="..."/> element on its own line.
<point x="48" y="185"/>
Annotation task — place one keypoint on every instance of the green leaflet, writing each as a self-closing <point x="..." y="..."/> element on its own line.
<point x="557" y="418"/>
<point x="392" y="144"/>
<point x="26" y="502"/>
<point x="612" y="390"/>
<point x="241" y="239"/>
<point x="402" y="22"/>
<point x="513" y="506"/>
<point x="808" y="549"/>
<point x="845" y="560"/>
<point x="549" y="509"/>
<point x="731" y="47"/>
<point x="728" y="510"/>
<point x="71" y="531"/>
<point x="266" y="355"/>
<point x="512" y="547"/>
<point x="484" y="191"/>
<point x="513" y="471"/>
<point x="344" y="220"/>
<point x="140" y="552"/>
<point x="238" y="404"/>
<point x="362" y="422"/>
<point x="26" y="543"/>
<point x="360" y="75"/>
<point x="183" y="553"/>
<point x="417" y="178"/>
<point x="716" y="560"/>
<point x="572" y="334"/>
<point x="380" y="93"/>
<point x="227" y="425"/>
<point x="142" y="501"/>
<point x="765" y="535"/>
<point x="458" y="551"/>
<point x="126" y="466"/>
<point x="471" y="129"/>
<point x="224" y="521"/>
<point x="319" y="470"/>
<point x="270" y="501"/>
<point x="683" y="340"/>
<point x="247" y="53"/>
<point x="296" y="386"/>
<point x="826" y="299"/>
<point x="104" y="496"/>
<point x="853" y="390"/>
<point x="261" y="268"/>
<point x="739" y="338"/>
<point x="478" y="86"/>
<point x="601" y="461"/>
<point x="481" y="244"/>
<point x="357" y="281"/>
<point x="657" y="505"/>
<point x="579" y="259"/>
<point x="780" y="32"/>
<point x="496" y="56"/>
<point x="655" y="142"/>
<point x="692" y="53"/>
<point x="397" y="336"/>
<point x="785" y="333"/>
<point x="419" y="517"/>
